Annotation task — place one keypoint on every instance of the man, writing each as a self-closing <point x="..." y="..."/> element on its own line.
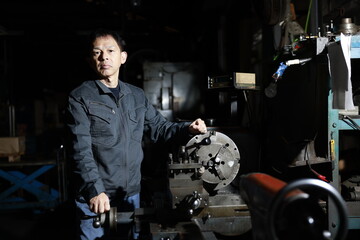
<point x="107" y="118"/>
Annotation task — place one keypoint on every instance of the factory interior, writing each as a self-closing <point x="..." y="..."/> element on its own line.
<point x="277" y="83"/>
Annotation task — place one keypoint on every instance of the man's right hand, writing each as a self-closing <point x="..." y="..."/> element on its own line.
<point x="100" y="203"/>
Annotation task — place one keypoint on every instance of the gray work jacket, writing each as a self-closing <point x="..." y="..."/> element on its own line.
<point x="107" y="136"/>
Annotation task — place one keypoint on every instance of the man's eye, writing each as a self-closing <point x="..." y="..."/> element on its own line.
<point x="96" y="53"/>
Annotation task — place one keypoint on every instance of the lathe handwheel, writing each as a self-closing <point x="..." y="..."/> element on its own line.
<point x="321" y="187"/>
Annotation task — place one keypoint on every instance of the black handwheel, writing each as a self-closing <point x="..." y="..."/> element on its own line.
<point x="113" y="219"/>
<point x="321" y="187"/>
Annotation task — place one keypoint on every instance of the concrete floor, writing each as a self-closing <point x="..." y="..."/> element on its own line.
<point x="58" y="225"/>
<point x="27" y="224"/>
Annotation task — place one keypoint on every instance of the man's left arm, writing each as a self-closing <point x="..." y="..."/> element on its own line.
<point x="160" y="129"/>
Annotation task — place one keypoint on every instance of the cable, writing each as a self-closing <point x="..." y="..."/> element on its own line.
<point x="308" y="16"/>
<point x="306" y="158"/>
<point x="350" y="122"/>
<point x="271" y="90"/>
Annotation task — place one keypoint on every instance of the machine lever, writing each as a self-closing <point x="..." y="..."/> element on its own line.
<point x="97" y="220"/>
<point x="205" y="141"/>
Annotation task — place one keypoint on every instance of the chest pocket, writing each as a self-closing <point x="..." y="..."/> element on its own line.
<point x="136" y="123"/>
<point x="102" y="119"/>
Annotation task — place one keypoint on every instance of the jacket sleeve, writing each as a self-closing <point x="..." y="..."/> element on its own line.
<point x="87" y="179"/>
<point x="162" y="130"/>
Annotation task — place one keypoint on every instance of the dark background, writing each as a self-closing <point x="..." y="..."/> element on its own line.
<point x="42" y="58"/>
<point x="43" y="40"/>
<point x="42" y="54"/>
<point x="42" y="46"/>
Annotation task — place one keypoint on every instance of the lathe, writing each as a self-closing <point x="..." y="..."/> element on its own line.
<point x="211" y="200"/>
<point x="205" y="199"/>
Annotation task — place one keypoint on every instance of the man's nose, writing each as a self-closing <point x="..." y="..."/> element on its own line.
<point x="104" y="56"/>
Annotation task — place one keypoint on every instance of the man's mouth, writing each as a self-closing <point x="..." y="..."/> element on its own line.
<point x="105" y="66"/>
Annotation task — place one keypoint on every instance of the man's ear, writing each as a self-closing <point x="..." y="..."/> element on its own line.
<point x="123" y="56"/>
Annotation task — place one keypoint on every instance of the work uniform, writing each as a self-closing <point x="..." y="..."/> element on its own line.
<point x="106" y="132"/>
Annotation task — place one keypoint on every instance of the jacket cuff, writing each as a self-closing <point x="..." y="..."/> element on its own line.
<point x="93" y="191"/>
<point x="185" y="133"/>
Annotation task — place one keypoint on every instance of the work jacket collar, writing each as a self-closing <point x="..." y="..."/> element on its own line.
<point x="124" y="89"/>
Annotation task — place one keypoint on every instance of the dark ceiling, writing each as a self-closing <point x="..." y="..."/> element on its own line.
<point x="43" y="39"/>
<point x="79" y="15"/>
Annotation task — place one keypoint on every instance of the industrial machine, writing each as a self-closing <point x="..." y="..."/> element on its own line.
<point x="297" y="210"/>
<point x="204" y="197"/>
<point x="203" y="185"/>
<point x="211" y="200"/>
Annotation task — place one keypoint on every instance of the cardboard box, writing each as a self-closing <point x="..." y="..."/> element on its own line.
<point x="12" y="145"/>
<point x="244" y="80"/>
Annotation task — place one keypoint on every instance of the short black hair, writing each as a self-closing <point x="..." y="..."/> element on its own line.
<point x="102" y="32"/>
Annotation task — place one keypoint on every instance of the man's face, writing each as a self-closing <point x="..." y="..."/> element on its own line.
<point x="107" y="57"/>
